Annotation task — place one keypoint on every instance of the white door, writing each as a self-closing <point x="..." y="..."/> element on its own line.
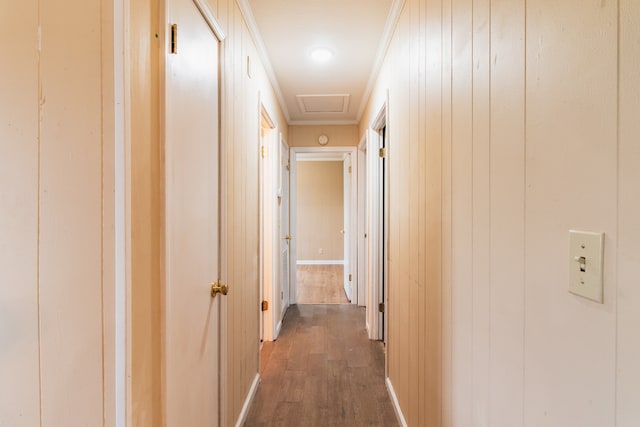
<point x="192" y="316"/>
<point x="285" y="229"/>
<point x="346" y="235"/>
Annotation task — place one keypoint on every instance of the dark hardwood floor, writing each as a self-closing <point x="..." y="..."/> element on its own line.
<point x="322" y="371"/>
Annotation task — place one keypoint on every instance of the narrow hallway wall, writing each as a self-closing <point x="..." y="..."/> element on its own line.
<point x="509" y="124"/>
<point x="56" y="214"/>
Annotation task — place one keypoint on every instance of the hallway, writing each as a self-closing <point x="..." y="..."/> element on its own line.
<point x="322" y="371"/>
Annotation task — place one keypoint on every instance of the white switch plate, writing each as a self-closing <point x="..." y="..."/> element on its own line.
<point x="587" y="283"/>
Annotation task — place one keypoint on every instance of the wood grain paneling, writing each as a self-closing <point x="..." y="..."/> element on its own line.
<point x="516" y="109"/>
<point x="57" y="122"/>
<point x="71" y="214"/>
<point x="19" y="171"/>
<point x="242" y="96"/>
<point x="461" y="202"/>
<point x="571" y="129"/>
<point x="628" y="262"/>
<point x="507" y="213"/>
<point x="144" y="233"/>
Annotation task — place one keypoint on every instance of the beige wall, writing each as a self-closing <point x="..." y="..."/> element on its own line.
<point x="339" y="135"/>
<point x="56" y="214"/>
<point x="320" y="210"/>
<point x="509" y="124"/>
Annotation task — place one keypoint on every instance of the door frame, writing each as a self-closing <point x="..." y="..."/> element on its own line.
<point x="362" y="222"/>
<point x="268" y="213"/>
<point x="293" y="219"/>
<point x="283" y="147"/>
<point x="378" y="221"/>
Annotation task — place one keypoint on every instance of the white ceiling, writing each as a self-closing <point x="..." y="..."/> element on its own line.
<point x="356" y="31"/>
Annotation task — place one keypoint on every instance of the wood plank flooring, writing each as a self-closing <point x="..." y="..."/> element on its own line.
<point x="322" y="371"/>
<point x="320" y="284"/>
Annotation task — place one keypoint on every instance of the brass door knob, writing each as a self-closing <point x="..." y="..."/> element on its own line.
<point x="218" y="288"/>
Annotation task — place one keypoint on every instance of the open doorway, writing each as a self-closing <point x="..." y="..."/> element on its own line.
<point x="377" y="205"/>
<point x="324" y="220"/>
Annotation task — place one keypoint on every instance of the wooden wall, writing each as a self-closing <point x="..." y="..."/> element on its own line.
<point x="242" y="97"/>
<point x="56" y="214"/>
<point x="509" y="124"/>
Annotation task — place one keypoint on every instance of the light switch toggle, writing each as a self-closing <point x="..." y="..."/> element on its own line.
<point x="586" y="247"/>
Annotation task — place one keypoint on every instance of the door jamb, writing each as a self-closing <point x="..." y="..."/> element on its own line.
<point x="269" y="145"/>
<point x="377" y="244"/>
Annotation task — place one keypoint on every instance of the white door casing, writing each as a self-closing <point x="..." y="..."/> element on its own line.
<point x="192" y="318"/>
<point x="285" y="230"/>
<point x="362" y="224"/>
<point x="346" y="227"/>
<point x="269" y="226"/>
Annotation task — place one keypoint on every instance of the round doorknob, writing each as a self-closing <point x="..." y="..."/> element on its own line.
<point x="219" y="288"/>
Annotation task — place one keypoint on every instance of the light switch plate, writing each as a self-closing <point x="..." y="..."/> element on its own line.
<point x="586" y="250"/>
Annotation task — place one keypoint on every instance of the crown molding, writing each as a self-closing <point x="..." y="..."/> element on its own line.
<point x="247" y="13"/>
<point x="383" y="47"/>
<point x="323" y="122"/>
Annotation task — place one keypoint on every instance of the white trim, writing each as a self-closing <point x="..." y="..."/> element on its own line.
<point x="383" y="47"/>
<point x="206" y="12"/>
<point x="245" y="9"/>
<point x="361" y="223"/>
<point x="120" y="209"/>
<point x="296" y="150"/>
<point x="269" y="223"/>
<point x="327" y="158"/>
<point x="323" y="122"/>
<point x="396" y="404"/>
<point x="320" y="262"/>
<point x="247" y="402"/>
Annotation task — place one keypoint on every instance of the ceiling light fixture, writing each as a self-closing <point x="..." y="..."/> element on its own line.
<point x="321" y="54"/>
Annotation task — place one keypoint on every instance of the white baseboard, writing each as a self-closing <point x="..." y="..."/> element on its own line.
<point x="396" y="405"/>
<point x="320" y="262"/>
<point x="247" y="403"/>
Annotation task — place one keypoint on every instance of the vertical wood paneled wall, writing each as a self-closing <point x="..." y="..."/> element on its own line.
<point x="56" y="213"/>
<point x="511" y="122"/>
<point x="242" y="97"/>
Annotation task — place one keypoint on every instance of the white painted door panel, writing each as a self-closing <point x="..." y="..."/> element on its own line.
<point x="192" y="317"/>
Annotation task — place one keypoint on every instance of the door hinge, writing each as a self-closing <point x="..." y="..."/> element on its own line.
<point x="263" y="151"/>
<point x="173" y="41"/>
<point x="265" y="305"/>
<point x="281" y="294"/>
<point x="381" y="307"/>
<point x="349" y="169"/>
<point x="383" y="153"/>
<point x="350" y="277"/>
